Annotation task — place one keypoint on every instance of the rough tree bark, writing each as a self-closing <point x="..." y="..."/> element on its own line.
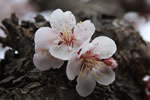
<point x="19" y="80"/>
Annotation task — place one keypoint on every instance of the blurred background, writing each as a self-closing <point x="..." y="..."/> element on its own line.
<point x="134" y="12"/>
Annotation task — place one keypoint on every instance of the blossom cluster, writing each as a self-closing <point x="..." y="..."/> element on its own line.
<point x="90" y="62"/>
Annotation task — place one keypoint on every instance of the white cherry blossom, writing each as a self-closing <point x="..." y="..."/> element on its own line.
<point x="65" y="37"/>
<point x="43" y="60"/>
<point x="89" y="66"/>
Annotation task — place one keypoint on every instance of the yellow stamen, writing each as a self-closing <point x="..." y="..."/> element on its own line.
<point x="70" y="50"/>
<point x="81" y="60"/>
<point x="54" y="26"/>
<point x="80" y="73"/>
<point x="103" y="66"/>
<point x="95" y="67"/>
<point x="85" y="29"/>
<point x="56" y="46"/>
<point x="89" y="64"/>
<point x="66" y="27"/>
<point x="42" y="53"/>
<point x="88" y="69"/>
<point x="84" y="76"/>
<point x="93" y="73"/>
<point x="77" y="43"/>
<point x="102" y="74"/>
<point x="80" y="22"/>
<point x="97" y="77"/>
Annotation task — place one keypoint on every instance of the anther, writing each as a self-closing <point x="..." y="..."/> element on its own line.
<point x="102" y="74"/>
<point x="66" y="27"/>
<point x="57" y="46"/>
<point x="97" y="77"/>
<point x="81" y="60"/>
<point x="84" y="76"/>
<point x="42" y="53"/>
<point x="70" y="50"/>
<point x="80" y="22"/>
<point x="85" y="29"/>
<point x="95" y="67"/>
<point x="54" y="26"/>
<point x="89" y="64"/>
<point x="93" y="73"/>
<point x="88" y="69"/>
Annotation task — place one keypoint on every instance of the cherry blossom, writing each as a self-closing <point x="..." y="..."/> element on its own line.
<point x="65" y="37"/>
<point x="93" y="64"/>
<point x="140" y="23"/>
<point x="43" y="60"/>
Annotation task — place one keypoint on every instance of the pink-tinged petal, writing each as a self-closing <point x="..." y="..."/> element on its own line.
<point x="62" y="21"/>
<point x="83" y="37"/>
<point x="56" y="63"/>
<point x="104" y="74"/>
<point x="62" y="52"/>
<point x="73" y="67"/>
<point x="44" y="61"/>
<point x="37" y="50"/>
<point x="87" y="47"/>
<point x="83" y="32"/>
<point x="86" y="28"/>
<point x="104" y="47"/>
<point x="44" y="37"/>
<point x="85" y="84"/>
<point x="41" y="62"/>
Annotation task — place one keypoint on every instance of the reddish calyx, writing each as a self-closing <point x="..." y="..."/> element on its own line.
<point x="111" y="62"/>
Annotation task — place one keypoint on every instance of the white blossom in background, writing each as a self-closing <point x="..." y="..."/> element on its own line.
<point x="2" y="33"/>
<point x="43" y="60"/>
<point x="23" y="9"/>
<point x="146" y="78"/>
<point x="90" y="68"/>
<point x="2" y="50"/>
<point x="65" y="37"/>
<point x="140" y="23"/>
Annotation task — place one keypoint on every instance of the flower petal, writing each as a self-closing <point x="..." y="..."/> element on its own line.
<point x="84" y="31"/>
<point x="44" y="61"/>
<point x="62" y="20"/>
<point x="44" y="37"/>
<point x="62" y="52"/>
<point x="105" y="47"/>
<point x="73" y="67"/>
<point x="104" y="74"/>
<point x="87" y="47"/>
<point x="86" y="28"/>
<point x="85" y="85"/>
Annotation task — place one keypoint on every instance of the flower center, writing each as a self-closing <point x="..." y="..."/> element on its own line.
<point x="90" y="61"/>
<point x="67" y="38"/>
